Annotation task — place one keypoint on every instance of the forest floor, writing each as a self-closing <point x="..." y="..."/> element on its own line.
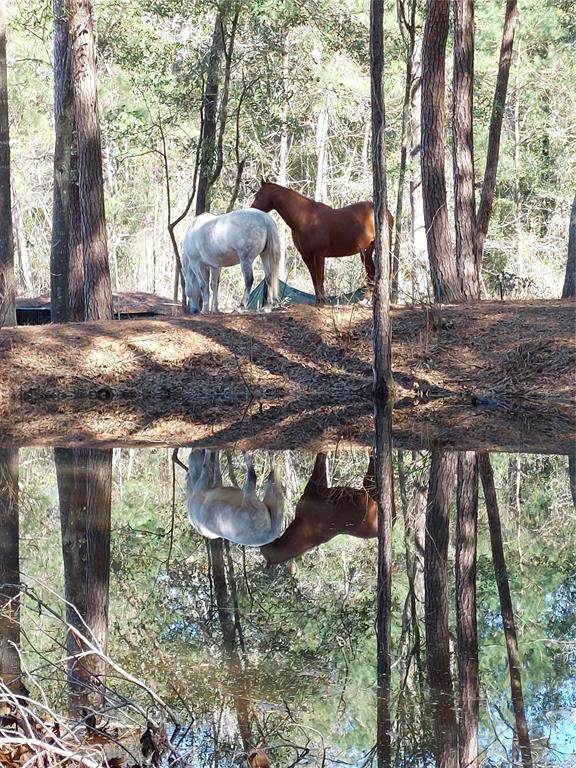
<point x="485" y="375"/>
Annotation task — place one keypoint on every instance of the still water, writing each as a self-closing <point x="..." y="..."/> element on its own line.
<point x="267" y="638"/>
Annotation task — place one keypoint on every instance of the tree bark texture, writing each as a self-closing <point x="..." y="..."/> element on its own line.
<point x="97" y="284"/>
<point x="495" y="130"/>
<point x="84" y="488"/>
<point x="7" y="281"/>
<point x="569" y="288"/>
<point x="467" y="263"/>
<point x="64" y="137"/>
<point x="383" y="470"/>
<point x="382" y="382"/>
<point x="210" y="113"/>
<point x="10" y="671"/>
<point x="442" y="265"/>
<point x="223" y="590"/>
<point x="382" y="327"/>
<point x="467" y="630"/>
<point x="506" y="610"/>
<point x="440" y="489"/>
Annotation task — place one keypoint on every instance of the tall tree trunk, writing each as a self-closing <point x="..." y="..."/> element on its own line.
<point x="495" y="131"/>
<point x="569" y="288"/>
<point x="7" y="282"/>
<point x="64" y="139"/>
<point x="467" y="263"/>
<point x="10" y="671"/>
<point x="382" y="382"/>
<point x="97" y="284"/>
<point x="442" y="266"/>
<point x="440" y="489"/>
<point x="467" y="631"/>
<point x="419" y="243"/>
<point x="210" y="112"/>
<point x="506" y="610"/>
<point x="382" y="327"/>
<point x="84" y="488"/>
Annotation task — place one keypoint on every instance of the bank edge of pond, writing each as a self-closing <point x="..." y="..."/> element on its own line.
<point x="489" y="374"/>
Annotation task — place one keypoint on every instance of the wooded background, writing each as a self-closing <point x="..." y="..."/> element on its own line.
<point x="282" y="89"/>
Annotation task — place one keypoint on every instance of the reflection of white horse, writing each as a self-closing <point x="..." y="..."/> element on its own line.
<point x="213" y="242"/>
<point x="216" y="510"/>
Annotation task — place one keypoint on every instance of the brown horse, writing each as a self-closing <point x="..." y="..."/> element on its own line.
<point x="323" y="512"/>
<point x="320" y="232"/>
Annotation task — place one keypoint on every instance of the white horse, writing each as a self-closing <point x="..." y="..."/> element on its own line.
<point x="217" y="510"/>
<point x="213" y="242"/>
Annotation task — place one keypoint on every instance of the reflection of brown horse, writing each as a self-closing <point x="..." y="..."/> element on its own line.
<point x="320" y="232"/>
<point x="323" y="512"/>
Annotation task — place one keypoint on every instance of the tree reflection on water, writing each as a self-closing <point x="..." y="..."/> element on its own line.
<point x="252" y="651"/>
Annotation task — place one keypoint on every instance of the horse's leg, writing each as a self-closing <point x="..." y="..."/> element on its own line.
<point x="315" y="266"/>
<point x="369" y="483"/>
<point x="214" y="283"/>
<point x="368" y="261"/>
<point x="267" y="267"/>
<point x="203" y="275"/>
<point x="246" y="266"/>
<point x="216" y="471"/>
<point x="250" y="485"/>
<point x="318" y="482"/>
<point x="274" y="494"/>
<point x="195" y="466"/>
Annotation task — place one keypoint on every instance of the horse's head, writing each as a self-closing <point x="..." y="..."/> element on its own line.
<point x="263" y="200"/>
<point x="193" y="293"/>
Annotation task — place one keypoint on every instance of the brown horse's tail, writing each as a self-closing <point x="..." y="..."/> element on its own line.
<point x="271" y="259"/>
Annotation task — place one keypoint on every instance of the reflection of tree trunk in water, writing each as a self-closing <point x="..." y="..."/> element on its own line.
<point x="467" y="631"/>
<point x="414" y="515"/>
<point x="440" y="489"/>
<point x="9" y="570"/>
<point x="506" y="608"/>
<point x="383" y="475"/>
<point x="84" y="488"/>
<point x="572" y="474"/>
<point x="229" y="622"/>
<point x="514" y="487"/>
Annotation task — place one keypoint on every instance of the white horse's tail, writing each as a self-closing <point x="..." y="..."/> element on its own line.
<point x="271" y="254"/>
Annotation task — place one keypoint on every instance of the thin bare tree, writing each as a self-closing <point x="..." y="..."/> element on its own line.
<point x="495" y="130"/>
<point x="7" y="283"/>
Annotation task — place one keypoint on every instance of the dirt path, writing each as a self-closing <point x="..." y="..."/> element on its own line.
<point x="484" y="375"/>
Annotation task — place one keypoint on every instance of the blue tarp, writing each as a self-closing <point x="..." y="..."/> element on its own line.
<point x="289" y="295"/>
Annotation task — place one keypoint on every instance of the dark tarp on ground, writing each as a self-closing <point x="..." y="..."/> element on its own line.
<point x="289" y="295"/>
